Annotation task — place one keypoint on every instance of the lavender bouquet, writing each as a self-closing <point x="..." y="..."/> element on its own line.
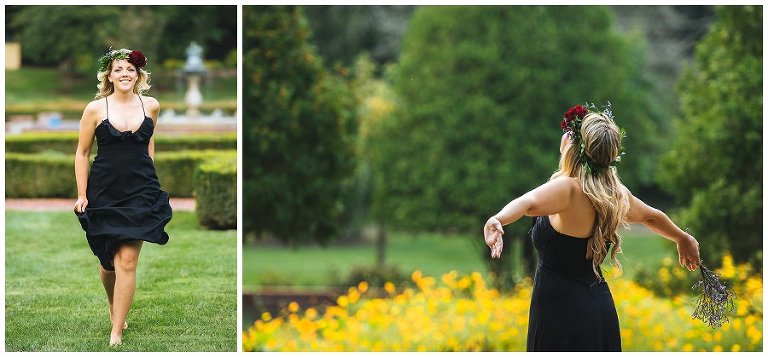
<point x="714" y="299"/>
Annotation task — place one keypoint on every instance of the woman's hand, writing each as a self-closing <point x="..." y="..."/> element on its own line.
<point x="493" y="232"/>
<point x="81" y="203"/>
<point x="688" y="249"/>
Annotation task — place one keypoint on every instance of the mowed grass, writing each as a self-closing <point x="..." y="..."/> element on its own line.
<point x="186" y="296"/>
<point x="44" y="84"/>
<point x="433" y="254"/>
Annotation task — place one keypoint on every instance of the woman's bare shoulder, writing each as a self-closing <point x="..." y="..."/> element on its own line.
<point x="95" y="110"/>
<point x="151" y="103"/>
<point x="565" y="182"/>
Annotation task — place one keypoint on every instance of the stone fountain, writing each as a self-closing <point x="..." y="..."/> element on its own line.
<point x="194" y="69"/>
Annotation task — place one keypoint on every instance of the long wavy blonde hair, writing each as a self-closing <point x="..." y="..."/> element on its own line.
<point x="105" y="87"/>
<point x="602" y="146"/>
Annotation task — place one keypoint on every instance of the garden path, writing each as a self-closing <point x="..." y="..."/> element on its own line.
<point x="65" y="204"/>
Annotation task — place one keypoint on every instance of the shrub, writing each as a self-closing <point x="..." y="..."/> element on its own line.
<point x="39" y="175"/>
<point x="66" y="142"/>
<point x="668" y="280"/>
<point x="176" y="170"/>
<point x="52" y="174"/>
<point x="215" y="183"/>
<point x="377" y="276"/>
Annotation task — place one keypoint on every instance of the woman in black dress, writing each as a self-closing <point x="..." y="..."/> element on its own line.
<point x="578" y="213"/>
<point x="120" y="203"/>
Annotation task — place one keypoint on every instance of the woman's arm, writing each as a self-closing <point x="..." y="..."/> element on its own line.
<point x="547" y="199"/>
<point x="552" y="197"/>
<point x="659" y="222"/>
<point x="88" y="124"/>
<point x="153" y="106"/>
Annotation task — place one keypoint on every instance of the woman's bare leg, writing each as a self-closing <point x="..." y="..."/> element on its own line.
<point x="126" y="258"/>
<point x="108" y="280"/>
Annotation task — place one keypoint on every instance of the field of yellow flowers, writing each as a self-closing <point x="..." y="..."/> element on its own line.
<point x="460" y="313"/>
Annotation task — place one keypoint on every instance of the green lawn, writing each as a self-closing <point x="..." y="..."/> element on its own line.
<point x="186" y="297"/>
<point x="433" y="254"/>
<point x="38" y="84"/>
<point x="34" y="89"/>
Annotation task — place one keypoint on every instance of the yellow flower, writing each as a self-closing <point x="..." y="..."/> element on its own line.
<point x="728" y="270"/>
<point x="442" y="316"/>
<point x="464" y="283"/>
<point x="342" y="301"/>
<point x="293" y="306"/>
<point x="664" y="275"/>
<point x="363" y="287"/>
<point x="717" y="348"/>
<point x="353" y="295"/>
<point x="737" y="324"/>
<point x="389" y="287"/>
<point x="310" y="313"/>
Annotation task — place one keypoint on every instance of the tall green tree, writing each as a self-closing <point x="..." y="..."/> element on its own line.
<point x="482" y="91"/>
<point x="341" y="33"/>
<point x="716" y="167"/>
<point x="72" y="37"/>
<point x="298" y="134"/>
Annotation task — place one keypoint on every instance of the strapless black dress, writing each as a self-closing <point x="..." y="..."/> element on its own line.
<point x="570" y="309"/>
<point x="125" y="199"/>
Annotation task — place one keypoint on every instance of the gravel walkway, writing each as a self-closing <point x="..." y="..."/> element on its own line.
<point x="67" y="204"/>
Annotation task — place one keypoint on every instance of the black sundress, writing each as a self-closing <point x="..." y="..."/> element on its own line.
<point x="125" y="199"/>
<point x="570" y="309"/>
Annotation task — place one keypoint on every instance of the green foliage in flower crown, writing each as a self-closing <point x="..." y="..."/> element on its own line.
<point x="110" y="56"/>
<point x="575" y="125"/>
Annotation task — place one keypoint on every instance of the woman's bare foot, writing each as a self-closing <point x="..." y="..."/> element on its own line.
<point x="115" y="340"/>
<point x="125" y="323"/>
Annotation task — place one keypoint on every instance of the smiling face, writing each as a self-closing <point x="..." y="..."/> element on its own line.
<point x="123" y="75"/>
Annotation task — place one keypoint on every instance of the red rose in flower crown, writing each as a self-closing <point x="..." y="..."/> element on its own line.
<point x="137" y="59"/>
<point x="571" y="114"/>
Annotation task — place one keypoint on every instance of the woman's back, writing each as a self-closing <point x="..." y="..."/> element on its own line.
<point x="578" y="219"/>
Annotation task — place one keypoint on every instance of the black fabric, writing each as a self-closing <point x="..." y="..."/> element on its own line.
<point x="571" y="310"/>
<point x="125" y="199"/>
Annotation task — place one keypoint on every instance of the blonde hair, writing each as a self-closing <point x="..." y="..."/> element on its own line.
<point x="105" y="87"/>
<point x="602" y="146"/>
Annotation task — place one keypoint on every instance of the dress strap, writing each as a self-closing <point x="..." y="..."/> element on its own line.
<point x="107" y="102"/>
<point x="142" y="105"/>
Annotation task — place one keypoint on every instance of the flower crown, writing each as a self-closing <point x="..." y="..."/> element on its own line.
<point x="135" y="58"/>
<point x="571" y="124"/>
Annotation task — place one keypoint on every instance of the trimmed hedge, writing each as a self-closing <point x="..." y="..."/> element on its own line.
<point x="176" y="170"/>
<point x="215" y="183"/>
<point x="53" y="174"/>
<point x="39" y="175"/>
<point x="66" y="142"/>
